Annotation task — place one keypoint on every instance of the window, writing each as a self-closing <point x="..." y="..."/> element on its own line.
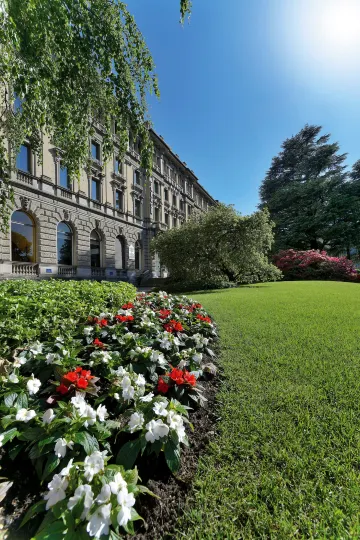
<point x="137" y="146"/>
<point x="95" y="249"/>
<point x="189" y="210"/>
<point x="166" y="194"/>
<point x="137" y="256"/>
<point x="167" y="219"/>
<point x="156" y="188"/>
<point x="137" y="208"/>
<point x="95" y="150"/>
<point x="157" y="214"/>
<point x="119" y="200"/>
<point x="182" y="182"/>
<point x="174" y="222"/>
<point x="120" y="247"/>
<point x="23" y="159"/>
<point x="64" y="244"/>
<point x="22" y="237"/>
<point x="182" y="206"/>
<point x="137" y="178"/>
<point x="95" y="189"/>
<point x="118" y="166"/>
<point x="174" y="200"/>
<point x="158" y="161"/>
<point x="64" y="178"/>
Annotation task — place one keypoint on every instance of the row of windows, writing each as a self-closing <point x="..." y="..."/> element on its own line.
<point x="23" y="244"/>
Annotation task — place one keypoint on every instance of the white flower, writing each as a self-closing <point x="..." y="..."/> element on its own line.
<point x="116" y="396"/>
<point x="102" y="413"/>
<point x="99" y="521"/>
<point x="89" y="414"/>
<point x="19" y="361"/>
<point x="156" y="430"/>
<point x="51" y="357"/>
<point x="61" y="447"/>
<point x="66" y="470"/>
<point x="48" y="416"/>
<point x="147" y="398"/>
<point x="59" y="339"/>
<point x="126" y="382"/>
<point x="56" y="492"/>
<point x="2" y="437"/>
<point x="136" y="422"/>
<point x="25" y="415"/>
<point x="88" y="330"/>
<point x="36" y="348"/>
<point x="82" y="491"/>
<point x="93" y="464"/>
<point x="140" y="380"/>
<point x="33" y="385"/>
<point x="65" y="352"/>
<point x="78" y="401"/>
<point x="104" y="495"/>
<point x="127" y="501"/>
<point x="120" y="371"/>
<point x="160" y="407"/>
<point x="13" y="378"/>
<point x="197" y="357"/>
<point x="158" y="357"/>
<point x="128" y="393"/>
<point x="176" y="422"/>
<point x="117" y="484"/>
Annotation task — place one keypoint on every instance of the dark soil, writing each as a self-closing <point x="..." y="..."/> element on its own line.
<point x="160" y="515"/>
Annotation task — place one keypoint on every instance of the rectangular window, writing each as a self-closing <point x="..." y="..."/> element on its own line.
<point x="137" y="146"/>
<point x="167" y="219"/>
<point x="137" y="178"/>
<point x="156" y="188"/>
<point x="158" y="161"/>
<point x="182" y="206"/>
<point x="95" y="150"/>
<point x="157" y="214"/>
<point x="174" y="222"/>
<point x="64" y="178"/>
<point x="174" y="201"/>
<point x="166" y="194"/>
<point x="137" y="208"/>
<point x="189" y="210"/>
<point x="95" y="190"/>
<point x="118" y="166"/>
<point x="23" y="159"/>
<point x="119" y="200"/>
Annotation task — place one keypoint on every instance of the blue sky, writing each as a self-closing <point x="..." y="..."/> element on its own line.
<point x="243" y="75"/>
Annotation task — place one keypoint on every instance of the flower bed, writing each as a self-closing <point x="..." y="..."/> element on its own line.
<point x="89" y="405"/>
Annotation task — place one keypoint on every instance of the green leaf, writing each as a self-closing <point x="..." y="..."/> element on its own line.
<point x="144" y="489"/>
<point x="54" y="531"/>
<point x="9" y="399"/>
<point x="15" y="450"/>
<point x="32" y="434"/>
<point x="22" y="401"/>
<point x="172" y="456"/>
<point x="33" y="510"/>
<point x="88" y="441"/>
<point x="134" y="515"/>
<point x="9" y="435"/>
<point x="51" y="464"/>
<point x="128" y="453"/>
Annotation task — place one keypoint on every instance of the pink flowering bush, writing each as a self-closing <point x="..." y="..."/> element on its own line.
<point x="315" y="264"/>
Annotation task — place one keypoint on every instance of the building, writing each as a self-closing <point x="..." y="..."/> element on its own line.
<point x="102" y="226"/>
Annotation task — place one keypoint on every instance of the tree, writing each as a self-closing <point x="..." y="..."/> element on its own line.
<point x="306" y="192"/>
<point x="219" y="245"/>
<point x="70" y="62"/>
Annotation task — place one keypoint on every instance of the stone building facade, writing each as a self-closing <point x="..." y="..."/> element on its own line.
<point x="101" y="227"/>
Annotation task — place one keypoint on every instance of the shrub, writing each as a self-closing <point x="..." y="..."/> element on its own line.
<point x="314" y="264"/>
<point x="84" y="408"/>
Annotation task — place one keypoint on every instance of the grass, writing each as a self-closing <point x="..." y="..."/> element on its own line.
<point x="286" y="460"/>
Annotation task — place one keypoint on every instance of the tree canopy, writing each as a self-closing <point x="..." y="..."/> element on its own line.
<point x="311" y="197"/>
<point x="70" y="62"/>
<point x="216" y="246"/>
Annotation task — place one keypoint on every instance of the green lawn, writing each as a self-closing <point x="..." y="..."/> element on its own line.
<point x="286" y="460"/>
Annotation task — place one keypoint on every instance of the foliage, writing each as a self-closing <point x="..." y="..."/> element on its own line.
<point x="314" y="264"/>
<point x="31" y="310"/>
<point x="71" y="63"/>
<point x="87" y="405"/>
<point x="284" y="462"/>
<point x="313" y="201"/>
<point x="218" y="246"/>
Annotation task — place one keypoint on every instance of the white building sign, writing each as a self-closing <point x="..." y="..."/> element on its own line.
<point x="131" y="252"/>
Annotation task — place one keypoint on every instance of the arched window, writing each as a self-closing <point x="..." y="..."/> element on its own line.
<point x="120" y="247"/>
<point x="64" y="244"/>
<point x="95" y="249"/>
<point x="23" y="230"/>
<point x="137" y="256"/>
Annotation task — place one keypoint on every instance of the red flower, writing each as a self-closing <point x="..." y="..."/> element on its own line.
<point x="189" y="378"/>
<point x="86" y="374"/>
<point x="62" y="389"/>
<point x="164" y="313"/>
<point x="98" y="343"/>
<point x="82" y="383"/>
<point x="129" y="305"/>
<point x="176" y="375"/>
<point x="162" y="386"/>
<point x="72" y="376"/>
<point x="124" y="318"/>
<point x="204" y="319"/>
<point x="103" y="322"/>
<point x="173" y="326"/>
